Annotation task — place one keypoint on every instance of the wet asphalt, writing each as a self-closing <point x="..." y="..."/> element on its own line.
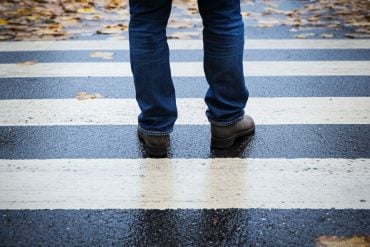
<point x="187" y="141"/>
<point x="190" y="56"/>
<point x="184" y="227"/>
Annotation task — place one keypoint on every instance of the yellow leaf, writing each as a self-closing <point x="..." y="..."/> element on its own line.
<point x="87" y="10"/>
<point x="102" y="55"/>
<point x="3" y="22"/>
<point x="334" y="241"/>
<point x="68" y="21"/>
<point x="85" y="96"/>
<point x="24" y="11"/>
<point x="113" y="4"/>
<point x="112" y="29"/>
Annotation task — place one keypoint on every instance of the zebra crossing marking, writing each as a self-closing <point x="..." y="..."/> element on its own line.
<point x="184" y="183"/>
<point x="188" y="69"/>
<point x="280" y="110"/>
<point x="268" y="44"/>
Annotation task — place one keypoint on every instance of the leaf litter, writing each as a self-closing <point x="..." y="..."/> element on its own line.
<point x="66" y="19"/>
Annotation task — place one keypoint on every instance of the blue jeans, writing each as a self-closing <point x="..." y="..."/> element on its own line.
<point x="223" y="40"/>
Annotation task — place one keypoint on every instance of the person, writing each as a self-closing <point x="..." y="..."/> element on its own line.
<point x="226" y="98"/>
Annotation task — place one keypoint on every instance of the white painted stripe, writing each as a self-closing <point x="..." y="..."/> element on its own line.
<point x="184" y="183"/>
<point x="295" y="110"/>
<point x="185" y="44"/>
<point x="189" y="69"/>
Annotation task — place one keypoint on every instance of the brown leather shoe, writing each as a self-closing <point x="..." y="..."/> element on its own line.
<point x="155" y="145"/>
<point x="225" y="136"/>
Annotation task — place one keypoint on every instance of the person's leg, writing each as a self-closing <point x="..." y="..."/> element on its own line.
<point x="149" y="55"/>
<point x="223" y="39"/>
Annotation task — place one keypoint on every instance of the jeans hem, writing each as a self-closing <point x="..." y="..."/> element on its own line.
<point x="228" y="123"/>
<point x="153" y="132"/>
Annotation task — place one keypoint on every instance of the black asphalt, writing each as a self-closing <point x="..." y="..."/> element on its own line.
<point x="189" y="55"/>
<point x="181" y="227"/>
<point x="188" y="141"/>
<point x="195" y="87"/>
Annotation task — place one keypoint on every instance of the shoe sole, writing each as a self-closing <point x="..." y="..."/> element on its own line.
<point x="228" y="142"/>
<point x="153" y="150"/>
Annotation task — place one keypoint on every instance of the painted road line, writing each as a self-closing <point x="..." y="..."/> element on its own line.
<point x="187" y="141"/>
<point x="185" y="183"/>
<point x="189" y="69"/>
<point x="269" y="111"/>
<point x="185" y="44"/>
<point x="189" y="56"/>
<point x="192" y="87"/>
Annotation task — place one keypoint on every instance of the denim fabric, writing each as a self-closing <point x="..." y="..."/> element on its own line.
<point x="223" y="40"/>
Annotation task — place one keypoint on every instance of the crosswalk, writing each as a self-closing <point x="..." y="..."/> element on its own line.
<point x="188" y="69"/>
<point x="311" y="150"/>
<point x="260" y="44"/>
<point x="268" y="111"/>
<point x="184" y="183"/>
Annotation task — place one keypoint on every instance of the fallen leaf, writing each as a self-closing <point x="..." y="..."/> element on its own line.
<point x="102" y="55"/>
<point x="327" y="35"/>
<point x="267" y="23"/>
<point x="68" y="21"/>
<point x="86" y="96"/>
<point x="5" y="37"/>
<point x="333" y="26"/>
<point x="95" y="17"/>
<point x="179" y="24"/>
<point x="334" y="241"/>
<point x="304" y="35"/>
<point x="112" y="4"/>
<point x="245" y="13"/>
<point x="357" y="35"/>
<point x="362" y="30"/>
<point x="28" y="62"/>
<point x="112" y="29"/>
<point x="87" y="10"/>
<point x="193" y="10"/>
<point x="183" y="35"/>
<point x="313" y="18"/>
<point x="269" y="11"/>
<point x="361" y="24"/>
<point x="3" y="22"/>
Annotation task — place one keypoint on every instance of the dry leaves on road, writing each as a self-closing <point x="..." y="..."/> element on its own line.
<point x="64" y="19"/>
<point x="102" y="55"/>
<point x="326" y="14"/>
<point x="59" y="19"/>
<point x="86" y="96"/>
<point x="25" y="63"/>
<point x="112" y="29"/>
<point x="334" y="241"/>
